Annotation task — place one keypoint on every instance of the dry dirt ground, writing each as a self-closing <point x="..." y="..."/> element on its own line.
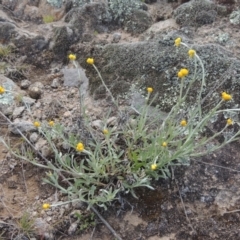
<point x="200" y="201"/>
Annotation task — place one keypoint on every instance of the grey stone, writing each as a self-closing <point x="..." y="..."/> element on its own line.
<point x="235" y="17"/>
<point x="24" y="127"/>
<point x="40" y="144"/>
<point x="55" y="83"/>
<point x="197" y="13"/>
<point x="18" y="112"/>
<point x="150" y="1"/>
<point x="112" y="121"/>
<point x="25" y="84"/>
<point x="83" y="22"/>
<point x="76" y="77"/>
<point x="62" y="39"/>
<point x="7" y="31"/>
<point x="8" y="97"/>
<point x="34" y="137"/>
<point x="116" y="37"/>
<point x="28" y="101"/>
<point x="155" y="63"/>
<point x="35" y="90"/>
<point x="98" y="124"/>
<point x="138" y="22"/>
<point x="46" y="151"/>
<point x="73" y="227"/>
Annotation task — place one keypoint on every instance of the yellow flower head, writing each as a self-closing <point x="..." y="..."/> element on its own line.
<point x="183" y="73"/>
<point x="229" y="121"/>
<point x="37" y="124"/>
<point x="46" y="206"/>
<point x="164" y="144"/>
<point x="2" y="90"/>
<point x="90" y="61"/>
<point x="51" y="123"/>
<point x="80" y="147"/>
<point x="191" y="53"/>
<point x="183" y="123"/>
<point x="72" y="57"/>
<point x="105" y="131"/>
<point x="177" y="42"/>
<point x="154" y="167"/>
<point x="149" y="90"/>
<point x="226" y="97"/>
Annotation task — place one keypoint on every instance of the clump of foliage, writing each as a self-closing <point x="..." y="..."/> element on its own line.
<point x="137" y="149"/>
<point x="5" y="50"/>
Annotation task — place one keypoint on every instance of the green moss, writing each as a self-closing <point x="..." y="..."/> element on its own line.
<point x="48" y="18"/>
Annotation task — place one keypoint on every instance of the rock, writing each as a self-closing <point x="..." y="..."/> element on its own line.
<point x="73" y="227"/>
<point x="18" y="112"/>
<point x="25" y="84"/>
<point x="67" y="114"/>
<point x="87" y="37"/>
<point x="75" y="77"/>
<point x="88" y="18"/>
<point x="138" y="22"/>
<point x="192" y="13"/>
<point x="23" y="126"/>
<point x="235" y="17"/>
<point x="46" y="151"/>
<point x="33" y="137"/>
<point x="150" y="1"/>
<point x="35" y="90"/>
<point x="62" y="39"/>
<point x="8" y="97"/>
<point x="116" y="37"/>
<point x="31" y="13"/>
<point x="55" y="83"/>
<point x="10" y="4"/>
<point x="98" y="124"/>
<point x="32" y="46"/>
<point x="112" y="121"/>
<point x="28" y="101"/>
<point x="40" y="144"/>
<point x="7" y="31"/>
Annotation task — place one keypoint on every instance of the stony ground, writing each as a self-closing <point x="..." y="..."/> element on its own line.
<point x="200" y="201"/>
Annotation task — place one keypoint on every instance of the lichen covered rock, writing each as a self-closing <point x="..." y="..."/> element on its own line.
<point x="198" y="12"/>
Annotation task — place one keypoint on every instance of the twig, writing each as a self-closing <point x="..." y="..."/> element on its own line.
<point x="214" y="165"/>
<point x="91" y="238"/>
<point x="184" y="208"/>
<point x="24" y="179"/>
<point x="106" y="223"/>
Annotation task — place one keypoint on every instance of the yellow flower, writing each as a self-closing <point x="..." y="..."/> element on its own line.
<point x="226" y="97"/>
<point x="72" y="57"/>
<point x="37" y="124"/>
<point x="229" y="121"/>
<point x="105" y="131"/>
<point x="80" y="147"/>
<point x="154" y="167"/>
<point x="149" y="90"/>
<point x="51" y="123"/>
<point x="183" y="73"/>
<point x="90" y="61"/>
<point x="46" y="206"/>
<point x="2" y="90"/>
<point x="183" y="123"/>
<point x="164" y="144"/>
<point x="191" y="53"/>
<point x="178" y="42"/>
